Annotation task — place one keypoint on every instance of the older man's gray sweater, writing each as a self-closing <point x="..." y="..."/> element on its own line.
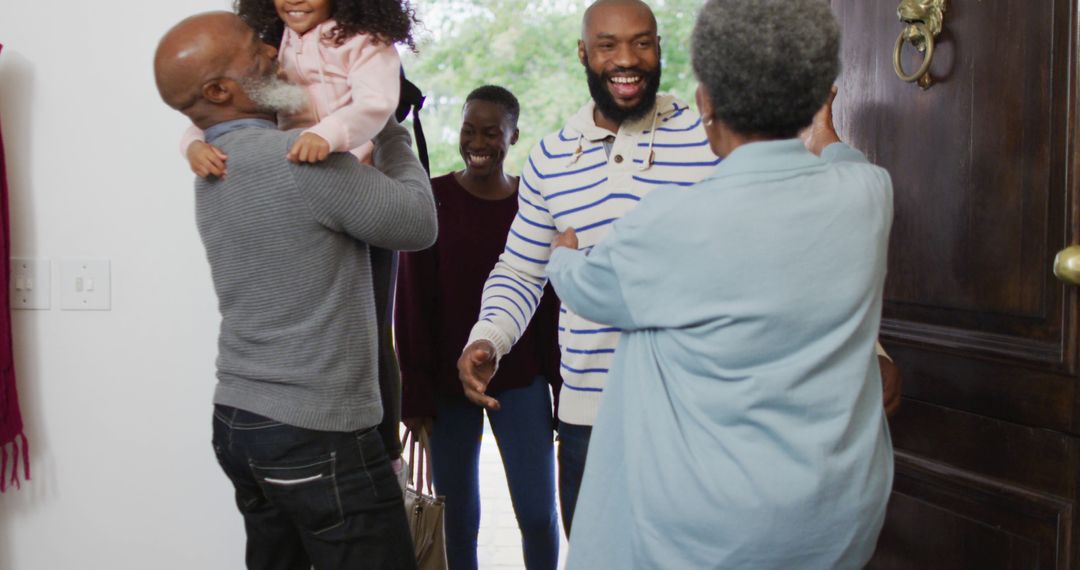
<point x="288" y="251"/>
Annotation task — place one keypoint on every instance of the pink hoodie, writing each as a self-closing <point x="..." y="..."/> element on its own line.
<point x="353" y="88"/>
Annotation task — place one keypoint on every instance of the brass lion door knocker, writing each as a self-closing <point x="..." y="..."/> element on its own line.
<point x="923" y="19"/>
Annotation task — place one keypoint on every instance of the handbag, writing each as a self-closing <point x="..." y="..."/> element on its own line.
<point x="422" y="507"/>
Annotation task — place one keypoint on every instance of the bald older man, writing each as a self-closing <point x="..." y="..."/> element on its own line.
<point x="297" y="400"/>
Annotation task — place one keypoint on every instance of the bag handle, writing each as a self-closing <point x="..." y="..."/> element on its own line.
<point x="419" y="467"/>
<point x="411" y="101"/>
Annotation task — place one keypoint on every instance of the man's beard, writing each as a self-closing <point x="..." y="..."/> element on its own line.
<point x="605" y="101"/>
<point x="275" y="95"/>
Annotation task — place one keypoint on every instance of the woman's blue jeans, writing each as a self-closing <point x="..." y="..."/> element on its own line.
<point x="524" y="432"/>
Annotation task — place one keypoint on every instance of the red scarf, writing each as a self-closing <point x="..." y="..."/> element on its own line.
<point x="11" y="426"/>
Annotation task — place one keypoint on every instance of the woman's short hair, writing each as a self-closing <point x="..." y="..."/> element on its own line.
<point x="500" y="96"/>
<point x="767" y="65"/>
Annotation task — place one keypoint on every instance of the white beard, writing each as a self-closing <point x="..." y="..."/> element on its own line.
<point x="275" y="94"/>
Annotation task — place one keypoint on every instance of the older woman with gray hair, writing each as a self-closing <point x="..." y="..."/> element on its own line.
<point x="743" y="426"/>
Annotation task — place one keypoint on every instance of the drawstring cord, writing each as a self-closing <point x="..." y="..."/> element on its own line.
<point x="648" y="162"/>
<point x="645" y="164"/>
<point x="577" y="151"/>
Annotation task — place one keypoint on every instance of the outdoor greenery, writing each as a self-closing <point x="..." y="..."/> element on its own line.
<point x="529" y="47"/>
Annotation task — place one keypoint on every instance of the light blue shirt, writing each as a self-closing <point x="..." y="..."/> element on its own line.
<point x="743" y="425"/>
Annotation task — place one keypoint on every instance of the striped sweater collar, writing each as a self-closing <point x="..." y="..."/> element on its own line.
<point x="583" y="123"/>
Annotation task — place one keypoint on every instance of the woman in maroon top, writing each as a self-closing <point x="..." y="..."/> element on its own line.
<point x="438" y="300"/>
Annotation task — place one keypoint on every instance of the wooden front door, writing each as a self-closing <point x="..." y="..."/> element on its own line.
<point x="984" y="165"/>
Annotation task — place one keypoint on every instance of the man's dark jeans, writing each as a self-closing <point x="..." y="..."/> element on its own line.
<point x="313" y="498"/>
<point x="573" y="447"/>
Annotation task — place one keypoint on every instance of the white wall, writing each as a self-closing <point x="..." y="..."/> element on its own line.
<point x="117" y="404"/>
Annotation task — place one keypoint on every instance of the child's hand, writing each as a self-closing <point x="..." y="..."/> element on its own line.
<point x="310" y="147"/>
<point x="206" y="160"/>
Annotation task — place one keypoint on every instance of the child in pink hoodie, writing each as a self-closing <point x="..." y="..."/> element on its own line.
<point x="342" y="52"/>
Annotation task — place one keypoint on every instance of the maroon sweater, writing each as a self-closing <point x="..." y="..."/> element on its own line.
<point x="438" y="301"/>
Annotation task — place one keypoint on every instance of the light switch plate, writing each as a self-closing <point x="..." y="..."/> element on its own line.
<point x="85" y="285"/>
<point x="30" y="283"/>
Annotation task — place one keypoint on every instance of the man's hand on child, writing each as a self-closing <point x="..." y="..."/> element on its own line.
<point x="310" y="147"/>
<point x="206" y="160"/>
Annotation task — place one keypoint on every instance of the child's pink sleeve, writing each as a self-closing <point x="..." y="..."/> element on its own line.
<point x="191" y="135"/>
<point x="374" y="80"/>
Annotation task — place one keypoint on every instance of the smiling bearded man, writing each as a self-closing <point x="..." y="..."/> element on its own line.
<point x="620" y="93"/>
<point x="616" y="149"/>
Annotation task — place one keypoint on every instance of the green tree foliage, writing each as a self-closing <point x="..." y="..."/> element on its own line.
<point x="529" y="47"/>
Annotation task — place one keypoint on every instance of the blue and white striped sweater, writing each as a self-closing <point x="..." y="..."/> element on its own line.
<point x="569" y="181"/>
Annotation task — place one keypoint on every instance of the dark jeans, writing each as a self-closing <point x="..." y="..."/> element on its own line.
<point x="573" y="446"/>
<point x="523" y="431"/>
<point x="313" y="498"/>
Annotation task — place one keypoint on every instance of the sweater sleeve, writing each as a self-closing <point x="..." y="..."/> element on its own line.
<point x="546" y="332"/>
<point x="415" y="323"/>
<point x="546" y="335"/>
<point x="384" y="266"/>
<point x="374" y="86"/>
<point x="389" y="205"/>
<point x="515" y="286"/>
<point x="191" y="135"/>
<point x="590" y="285"/>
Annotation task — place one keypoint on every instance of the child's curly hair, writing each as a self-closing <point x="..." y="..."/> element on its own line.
<point x="388" y="21"/>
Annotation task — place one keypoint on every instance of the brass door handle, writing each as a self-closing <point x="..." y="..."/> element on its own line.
<point x="920" y="31"/>
<point x="1067" y="265"/>
<point x="923" y="19"/>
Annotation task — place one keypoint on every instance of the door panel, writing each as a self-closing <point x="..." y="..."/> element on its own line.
<point x="984" y="170"/>
<point x="979" y="164"/>
<point x="1004" y="390"/>
<point x="969" y="522"/>
<point x="1012" y="454"/>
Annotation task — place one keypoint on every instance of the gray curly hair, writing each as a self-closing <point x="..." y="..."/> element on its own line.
<point x="767" y="65"/>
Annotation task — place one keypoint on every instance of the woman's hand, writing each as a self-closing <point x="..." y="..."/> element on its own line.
<point x="890" y="385"/>
<point x="821" y="132"/>
<point x="565" y="239"/>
